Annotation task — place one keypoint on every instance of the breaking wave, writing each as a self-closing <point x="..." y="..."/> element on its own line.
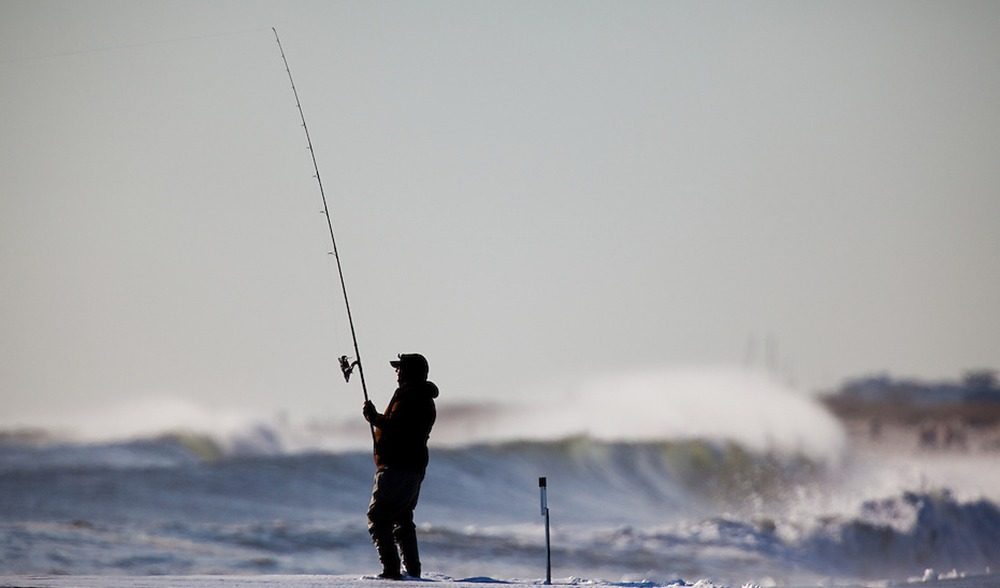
<point x="897" y="535"/>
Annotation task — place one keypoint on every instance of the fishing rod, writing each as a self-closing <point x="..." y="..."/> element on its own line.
<point x="346" y="365"/>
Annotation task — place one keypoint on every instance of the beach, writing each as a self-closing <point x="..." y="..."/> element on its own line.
<point x="324" y="581"/>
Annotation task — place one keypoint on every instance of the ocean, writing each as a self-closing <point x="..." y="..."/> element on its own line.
<point x="801" y="503"/>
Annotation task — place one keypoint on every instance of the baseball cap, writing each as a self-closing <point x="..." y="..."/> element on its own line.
<point x="413" y="361"/>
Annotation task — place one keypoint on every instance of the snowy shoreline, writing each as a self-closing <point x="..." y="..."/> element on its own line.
<point x="346" y="581"/>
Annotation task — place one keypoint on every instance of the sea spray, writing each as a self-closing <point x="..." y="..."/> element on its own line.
<point x="720" y="404"/>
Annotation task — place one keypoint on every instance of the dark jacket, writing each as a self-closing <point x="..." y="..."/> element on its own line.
<point x="401" y="433"/>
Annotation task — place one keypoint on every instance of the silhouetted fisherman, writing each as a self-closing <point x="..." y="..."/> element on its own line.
<point x="401" y="459"/>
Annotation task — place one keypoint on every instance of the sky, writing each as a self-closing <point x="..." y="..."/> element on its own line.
<point x="525" y="192"/>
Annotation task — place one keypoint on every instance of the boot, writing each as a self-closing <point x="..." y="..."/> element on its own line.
<point x="387" y="554"/>
<point x="406" y="538"/>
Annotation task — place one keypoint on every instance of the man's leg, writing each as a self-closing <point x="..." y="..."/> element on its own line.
<point x="405" y="532"/>
<point x="381" y="512"/>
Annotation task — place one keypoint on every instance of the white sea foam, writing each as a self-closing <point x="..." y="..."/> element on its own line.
<point x="720" y="404"/>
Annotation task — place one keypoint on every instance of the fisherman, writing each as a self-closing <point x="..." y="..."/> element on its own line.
<point x="401" y="457"/>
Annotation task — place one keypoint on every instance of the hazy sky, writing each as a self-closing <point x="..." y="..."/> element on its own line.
<point x="522" y="191"/>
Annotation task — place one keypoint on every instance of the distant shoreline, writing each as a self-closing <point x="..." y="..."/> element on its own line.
<point x="974" y="414"/>
<point x="965" y="427"/>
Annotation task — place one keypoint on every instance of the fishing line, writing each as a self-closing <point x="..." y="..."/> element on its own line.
<point x="346" y="365"/>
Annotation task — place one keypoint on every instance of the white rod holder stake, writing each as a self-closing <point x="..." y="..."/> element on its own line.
<point x="543" y="487"/>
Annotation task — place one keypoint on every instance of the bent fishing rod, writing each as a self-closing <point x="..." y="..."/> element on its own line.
<point x="346" y="365"/>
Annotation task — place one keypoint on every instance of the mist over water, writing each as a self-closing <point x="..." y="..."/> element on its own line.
<point x="720" y="404"/>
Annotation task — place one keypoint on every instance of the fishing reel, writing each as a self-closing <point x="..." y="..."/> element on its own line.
<point x="347" y="366"/>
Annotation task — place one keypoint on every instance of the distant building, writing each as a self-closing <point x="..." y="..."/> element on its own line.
<point x="982" y="385"/>
<point x="975" y="386"/>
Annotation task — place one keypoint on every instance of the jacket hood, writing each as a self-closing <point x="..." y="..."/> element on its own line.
<point x="429" y="388"/>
